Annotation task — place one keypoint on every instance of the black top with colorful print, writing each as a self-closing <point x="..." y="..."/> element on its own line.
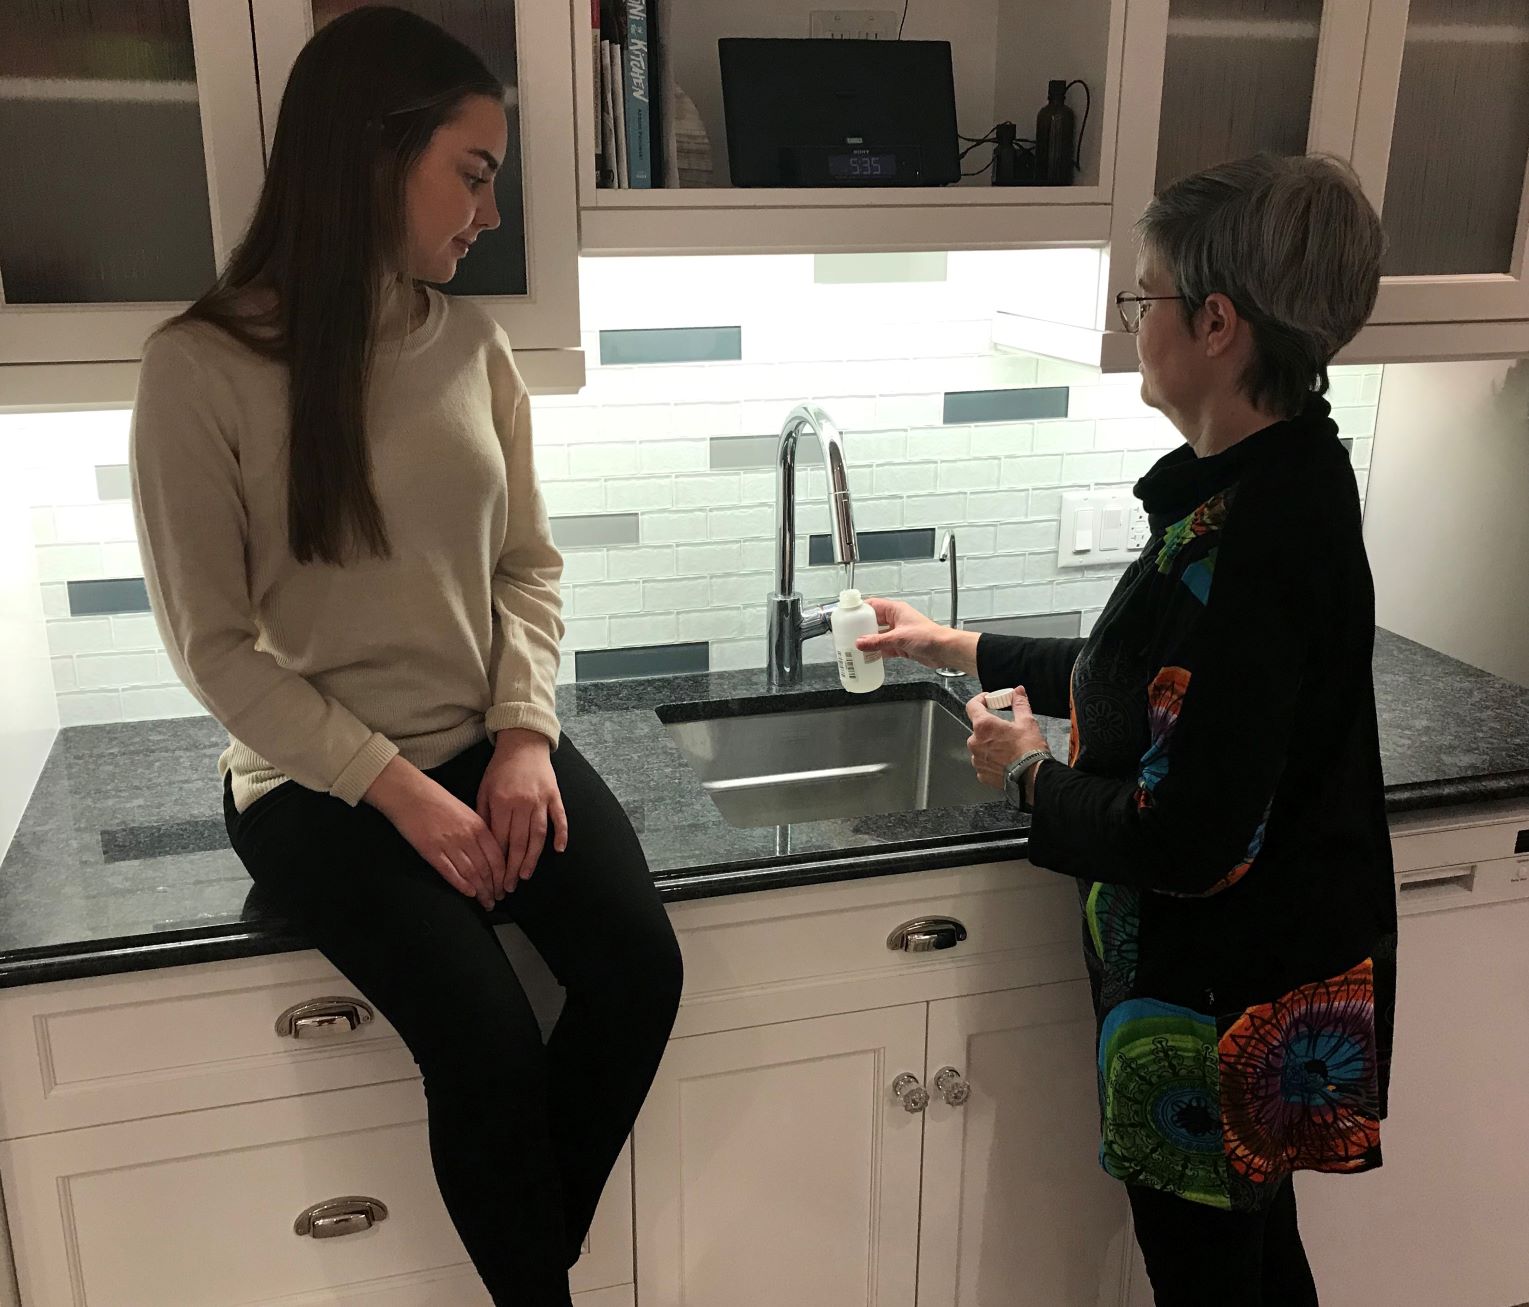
<point x="1223" y="810"/>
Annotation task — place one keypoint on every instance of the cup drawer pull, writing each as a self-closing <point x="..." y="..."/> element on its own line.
<point x="926" y="934"/>
<point x="323" y="1018"/>
<point x="339" y="1216"/>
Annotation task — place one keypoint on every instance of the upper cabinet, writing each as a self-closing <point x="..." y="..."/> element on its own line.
<point x="1444" y="148"/>
<point x="133" y="139"/>
<point x="1003" y="54"/>
<point x="130" y="152"/>
<point x="526" y="271"/>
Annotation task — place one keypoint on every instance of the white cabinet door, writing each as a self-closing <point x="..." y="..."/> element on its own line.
<point x="1016" y="1212"/>
<point x="1442" y="1220"/>
<point x="1444" y="147"/>
<point x="130" y="152"/>
<point x="1206" y="81"/>
<point x="526" y="272"/>
<point x="774" y="1165"/>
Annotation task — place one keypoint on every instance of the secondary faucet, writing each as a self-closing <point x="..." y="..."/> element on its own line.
<point x="789" y="624"/>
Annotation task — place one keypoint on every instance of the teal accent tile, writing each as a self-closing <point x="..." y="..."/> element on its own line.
<point x="672" y="345"/>
<point x="1021" y="404"/>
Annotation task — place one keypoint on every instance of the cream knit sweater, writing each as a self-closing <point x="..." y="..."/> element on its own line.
<point x="321" y="673"/>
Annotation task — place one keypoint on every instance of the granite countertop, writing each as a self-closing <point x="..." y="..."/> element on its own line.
<point x="121" y="862"/>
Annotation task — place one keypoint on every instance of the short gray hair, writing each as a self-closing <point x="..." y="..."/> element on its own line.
<point x="1296" y="247"/>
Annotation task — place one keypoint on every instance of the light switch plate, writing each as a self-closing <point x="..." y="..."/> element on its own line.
<point x="1087" y="519"/>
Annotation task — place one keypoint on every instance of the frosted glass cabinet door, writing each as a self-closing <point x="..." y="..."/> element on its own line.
<point x="1241" y="76"/>
<point x="526" y="271"/>
<point x="1451" y="79"/>
<point x="130" y="159"/>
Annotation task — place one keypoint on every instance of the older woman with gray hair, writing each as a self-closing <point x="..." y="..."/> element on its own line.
<point x="1222" y="805"/>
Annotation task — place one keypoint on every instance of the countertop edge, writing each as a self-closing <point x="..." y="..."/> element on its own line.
<point x="128" y="954"/>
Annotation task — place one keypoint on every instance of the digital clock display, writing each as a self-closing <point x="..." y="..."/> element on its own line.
<point x="862" y="166"/>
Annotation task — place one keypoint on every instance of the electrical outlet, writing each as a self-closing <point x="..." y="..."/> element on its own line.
<point x="1141" y="529"/>
<point x="854" y="24"/>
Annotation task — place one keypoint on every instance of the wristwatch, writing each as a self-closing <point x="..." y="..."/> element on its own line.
<point x="1014" y="777"/>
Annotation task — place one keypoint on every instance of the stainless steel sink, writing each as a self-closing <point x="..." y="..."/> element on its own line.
<point x="853" y="760"/>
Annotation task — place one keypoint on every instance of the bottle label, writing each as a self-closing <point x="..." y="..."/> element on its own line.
<point x="847" y="669"/>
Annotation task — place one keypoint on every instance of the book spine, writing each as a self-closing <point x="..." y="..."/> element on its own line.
<point x="639" y="148"/>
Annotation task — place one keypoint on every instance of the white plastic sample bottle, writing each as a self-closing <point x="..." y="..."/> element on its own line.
<point x="859" y="673"/>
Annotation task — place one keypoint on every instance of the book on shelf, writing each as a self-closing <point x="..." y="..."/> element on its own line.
<point x="610" y="175"/>
<point x="639" y="126"/>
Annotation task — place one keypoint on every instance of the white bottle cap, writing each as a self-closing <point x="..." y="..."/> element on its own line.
<point x="849" y="599"/>
<point x="996" y="699"/>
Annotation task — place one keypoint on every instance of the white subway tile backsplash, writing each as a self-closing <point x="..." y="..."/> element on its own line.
<point x="1064" y="436"/>
<point x="68" y="562"/>
<point x="712" y="489"/>
<point x="661" y="545"/>
<point x="906" y="478"/>
<point x="116" y="670"/>
<point x="64" y="678"/>
<point x="1091" y="467"/>
<point x="134" y="631"/>
<point x="55" y="599"/>
<point x="685" y="592"/>
<point x="934" y="510"/>
<point x="89" y="707"/>
<point x="996" y="506"/>
<point x="165" y="701"/>
<point x="1002" y="439"/>
<point x="583" y="565"/>
<point x="754" y="522"/>
<point x="639" y="494"/>
<point x="586" y="632"/>
<point x="612" y="460"/>
<point x="572" y="497"/>
<point x="707" y="560"/>
<point x="602" y="600"/>
<point x="1021" y="473"/>
<point x="975" y="474"/>
<point x="716" y="624"/>
<point x="645" y="628"/>
<point x="640" y="563"/>
<point x="1027" y="537"/>
<point x="674" y="528"/>
<point x="672" y="456"/>
<point x="746" y="589"/>
<point x="80" y="635"/>
<point x="1023" y="600"/>
<point x="940" y="443"/>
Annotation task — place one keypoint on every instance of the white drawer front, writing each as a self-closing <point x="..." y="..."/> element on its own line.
<point x="119" y="1048"/>
<point x="758" y="958"/>
<point x="198" y="1210"/>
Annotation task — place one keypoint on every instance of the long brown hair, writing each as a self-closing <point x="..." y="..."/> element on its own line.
<point x="363" y="100"/>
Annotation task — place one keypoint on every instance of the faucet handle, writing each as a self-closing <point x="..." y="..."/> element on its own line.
<point x="948" y="554"/>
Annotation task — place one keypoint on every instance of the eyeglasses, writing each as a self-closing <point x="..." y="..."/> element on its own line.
<point x="1132" y="306"/>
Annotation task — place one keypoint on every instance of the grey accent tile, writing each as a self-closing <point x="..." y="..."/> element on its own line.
<point x="1348" y="444"/>
<point x="93" y="598"/>
<point x="594" y="530"/>
<point x="113" y="481"/>
<point x="1023" y="404"/>
<point x="875" y="546"/>
<point x="1045" y="624"/>
<point x="728" y="452"/>
<point x="643" y="660"/>
<point x="672" y="345"/>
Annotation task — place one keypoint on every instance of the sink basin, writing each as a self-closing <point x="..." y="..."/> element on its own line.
<point x="848" y="760"/>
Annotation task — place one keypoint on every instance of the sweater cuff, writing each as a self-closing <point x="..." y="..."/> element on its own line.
<point x="523" y="716"/>
<point x="352" y="784"/>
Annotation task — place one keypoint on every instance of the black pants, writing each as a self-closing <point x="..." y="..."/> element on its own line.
<point x="522" y="1135"/>
<point x="1199" y="1256"/>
